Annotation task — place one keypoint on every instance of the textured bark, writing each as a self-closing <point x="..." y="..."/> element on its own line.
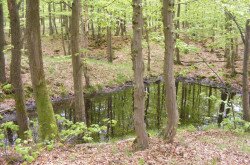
<point x="2" y="59"/>
<point x="246" y="108"/>
<point x="46" y="117"/>
<point x="170" y="92"/>
<point x="76" y="62"/>
<point x="141" y="141"/>
<point x="15" y="69"/>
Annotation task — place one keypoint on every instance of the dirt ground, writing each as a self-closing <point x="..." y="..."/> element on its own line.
<point x="58" y="68"/>
<point x="200" y="147"/>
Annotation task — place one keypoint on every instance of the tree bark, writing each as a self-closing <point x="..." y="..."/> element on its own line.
<point x="177" y="50"/>
<point x="141" y="141"/>
<point x="15" y="69"/>
<point x="246" y="108"/>
<point x="76" y="62"/>
<point x="51" y="29"/>
<point x="109" y="44"/>
<point x="170" y="93"/>
<point x="46" y="118"/>
<point x="2" y="41"/>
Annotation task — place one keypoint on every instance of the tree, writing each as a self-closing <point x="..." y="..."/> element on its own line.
<point x="2" y="59"/>
<point x="246" y="107"/>
<point x="169" y="80"/>
<point x="77" y="64"/>
<point x="46" y="118"/>
<point x="15" y="69"/>
<point x="141" y="141"/>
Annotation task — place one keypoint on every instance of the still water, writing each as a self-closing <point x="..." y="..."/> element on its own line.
<point x="198" y="105"/>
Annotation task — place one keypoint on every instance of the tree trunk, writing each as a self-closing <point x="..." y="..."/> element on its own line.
<point x="54" y="17"/>
<point x="170" y="93"/>
<point x="177" y="50"/>
<point x="109" y="44"/>
<point x="76" y="62"/>
<point x="141" y="141"/>
<point x="51" y="29"/>
<point x="46" y="117"/>
<point x="2" y="41"/>
<point x="228" y="29"/>
<point x="15" y="69"/>
<point x="246" y="108"/>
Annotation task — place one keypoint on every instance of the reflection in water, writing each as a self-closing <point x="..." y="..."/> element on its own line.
<point x="197" y="104"/>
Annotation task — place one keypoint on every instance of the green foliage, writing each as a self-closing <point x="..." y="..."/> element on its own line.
<point x="235" y="123"/>
<point x="185" y="48"/>
<point x="78" y="130"/>
<point x="8" y="88"/>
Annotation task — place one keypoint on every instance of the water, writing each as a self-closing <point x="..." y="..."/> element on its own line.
<point x="198" y="105"/>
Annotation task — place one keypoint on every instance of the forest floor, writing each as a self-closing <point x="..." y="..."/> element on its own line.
<point x="198" y="147"/>
<point x="58" y="68"/>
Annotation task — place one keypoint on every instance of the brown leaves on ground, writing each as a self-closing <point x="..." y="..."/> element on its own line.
<point x="213" y="147"/>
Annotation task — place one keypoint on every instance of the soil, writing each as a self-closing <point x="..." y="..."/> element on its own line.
<point x="58" y="69"/>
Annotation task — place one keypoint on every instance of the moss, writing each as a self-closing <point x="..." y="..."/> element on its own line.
<point x="47" y="124"/>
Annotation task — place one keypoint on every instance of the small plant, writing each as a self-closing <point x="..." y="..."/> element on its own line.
<point x="234" y="122"/>
<point x="78" y="130"/>
<point x="8" y="89"/>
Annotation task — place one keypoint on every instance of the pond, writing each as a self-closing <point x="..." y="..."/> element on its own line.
<point x="198" y="105"/>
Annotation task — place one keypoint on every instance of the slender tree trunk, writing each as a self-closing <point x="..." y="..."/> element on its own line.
<point x="85" y="31"/>
<point x="228" y="29"/>
<point x="118" y="28"/>
<point x="177" y="50"/>
<point x="233" y="56"/>
<point x="170" y="93"/>
<point x="141" y="141"/>
<point x="109" y="44"/>
<point x="51" y="29"/>
<point x="246" y="108"/>
<point x="147" y="38"/>
<point x="2" y="41"/>
<point x="15" y="69"/>
<point x="43" y="22"/>
<point x="54" y="17"/>
<point x="76" y="62"/>
<point x="46" y="117"/>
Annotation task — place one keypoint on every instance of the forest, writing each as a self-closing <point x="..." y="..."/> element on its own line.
<point x="124" y="82"/>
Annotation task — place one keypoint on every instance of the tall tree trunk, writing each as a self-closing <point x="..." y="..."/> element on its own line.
<point x="177" y="50"/>
<point x="43" y="22"/>
<point x="54" y="17"/>
<point x="246" y="108"/>
<point x="147" y="38"/>
<point x="15" y="70"/>
<point x="141" y="141"/>
<point x="2" y="41"/>
<point x="228" y="28"/>
<point x="76" y="62"/>
<point x="109" y="44"/>
<point x="46" y="118"/>
<point x="51" y="29"/>
<point x="85" y="42"/>
<point x="170" y="93"/>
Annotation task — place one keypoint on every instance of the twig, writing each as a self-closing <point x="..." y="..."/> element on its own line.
<point x="237" y="24"/>
<point x="211" y="68"/>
